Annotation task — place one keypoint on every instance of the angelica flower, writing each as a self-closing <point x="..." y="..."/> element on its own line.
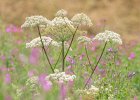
<point x="61" y="21"/>
<point x="32" y="84"/>
<point x="37" y="42"/>
<point x="61" y="13"/>
<point x="91" y="91"/>
<point x="84" y="39"/>
<point x="61" y="28"/>
<point x="34" y="21"/>
<point x="108" y="36"/>
<point x="32" y="80"/>
<point x="60" y="77"/>
<point x="81" y="19"/>
<point x="19" y="92"/>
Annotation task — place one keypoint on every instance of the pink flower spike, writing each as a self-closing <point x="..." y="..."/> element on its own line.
<point x="131" y="56"/>
<point x="81" y="56"/>
<point x="34" y="56"/>
<point x="7" y="79"/>
<point x="70" y="60"/>
<point x="135" y="98"/>
<point x="8" y="97"/>
<point x="110" y="49"/>
<point x="46" y="84"/>
<point x="63" y="92"/>
<point x="31" y="73"/>
<point x="8" y="29"/>
<point x="3" y="58"/>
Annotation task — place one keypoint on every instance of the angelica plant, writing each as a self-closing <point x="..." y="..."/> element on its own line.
<point x="107" y="36"/>
<point x="60" y="32"/>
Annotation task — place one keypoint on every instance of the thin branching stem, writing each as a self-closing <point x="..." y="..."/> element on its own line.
<point x="63" y="54"/>
<point x="71" y="42"/>
<point x="88" y="57"/>
<point x="96" y="65"/>
<point x="58" y="59"/>
<point x="43" y="47"/>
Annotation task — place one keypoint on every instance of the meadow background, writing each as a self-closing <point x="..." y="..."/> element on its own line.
<point x="121" y="16"/>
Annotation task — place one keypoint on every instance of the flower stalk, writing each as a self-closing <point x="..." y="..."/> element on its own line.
<point x="43" y="47"/>
<point x="96" y="65"/>
<point x="88" y="57"/>
<point x="63" y="54"/>
<point x="71" y="42"/>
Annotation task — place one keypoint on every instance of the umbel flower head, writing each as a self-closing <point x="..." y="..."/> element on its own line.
<point x="61" y="13"/>
<point x="82" y="20"/>
<point x="61" y="77"/>
<point x="92" y="91"/>
<point x="37" y="42"/>
<point x="34" y="21"/>
<point x="108" y="36"/>
<point x="61" y="28"/>
<point x="33" y="84"/>
<point x="84" y="39"/>
<point x="61" y="21"/>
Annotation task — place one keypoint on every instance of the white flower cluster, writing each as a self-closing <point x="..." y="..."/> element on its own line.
<point x="108" y="36"/>
<point x="33" y="21"/>
<point x="37" y="42"/>
<point x="61" y="21"/>
<point x="111" y="97"/>
<point x="32" y="80"/>
<point x="91" y="91"/>
<point x="61" y="28"/>
<point x="84" y="39"/>
<point x="19" y="92"/>
<point x="81" y="19"/>
<point x="60" y="77"/>
<point x="32" y="84"/>
<point x="61" y="13"/>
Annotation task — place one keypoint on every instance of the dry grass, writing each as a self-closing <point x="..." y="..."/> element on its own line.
<point x="120" y="15"/>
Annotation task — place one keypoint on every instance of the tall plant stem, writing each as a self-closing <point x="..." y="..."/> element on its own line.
<point x="63" y="54"/>
<point x="58" y="59"/>
<point x="43" y="47"/>
<point x="71" y="42"/>
<point x="88" y="57"/>
<point x="96" y="65"/>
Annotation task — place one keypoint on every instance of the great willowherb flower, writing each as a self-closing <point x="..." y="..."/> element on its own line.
<point x="37" y="42"/>
<point x="34" y="56"/>
<point x="131" y="56"/>
<point x="61" y="77"/>
<point x="82" y="20"/>
<point x="45" y="84"/>
<point x="34" y="21"/>
<point x="61" y="13"/>
<point x="84" y="39"/>
<point x="108" y="36"/>
<point x="7" y="78"/>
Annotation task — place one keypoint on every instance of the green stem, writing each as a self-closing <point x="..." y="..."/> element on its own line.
<point x="88" y="57"/>
<point x="71" y="42"/>
<point x="63" y="54"/>
<point x="43" y="47"/>
<point x="58" y="59"/>
<point x="96" y="65"/>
